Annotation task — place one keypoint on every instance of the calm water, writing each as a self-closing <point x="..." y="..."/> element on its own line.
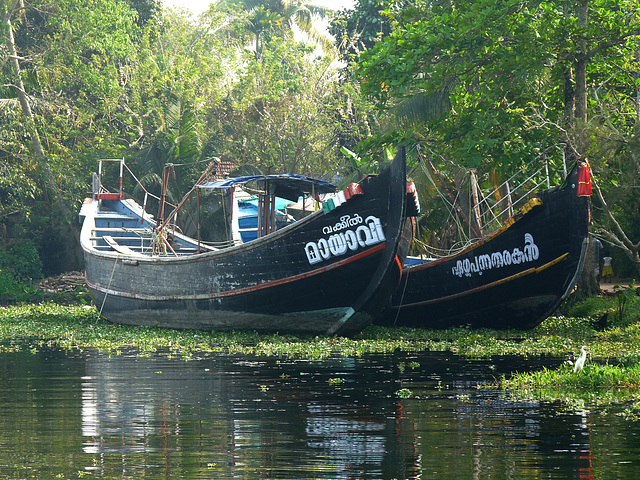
<point x="89" y="415"/>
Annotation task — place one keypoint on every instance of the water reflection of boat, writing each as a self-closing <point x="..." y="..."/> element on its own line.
<point x="247" y="417"/>
<point x="513" y="278"/>
<point x="328" y="273"/>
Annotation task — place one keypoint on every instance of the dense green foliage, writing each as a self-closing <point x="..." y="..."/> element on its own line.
<point x="20" y="267"/>
<point x="124" y="78"/>
<point x="357" y="30"/>
<point x="503" y="65"/>
<point x="487" y="85"/>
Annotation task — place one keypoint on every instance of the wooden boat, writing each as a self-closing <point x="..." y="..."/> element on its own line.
<point x="514" y="278"/>
<point x="328" y="273"/>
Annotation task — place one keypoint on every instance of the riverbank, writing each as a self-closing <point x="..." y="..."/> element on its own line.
<point x="613" y="346"/>
<point x="612" y="287"/>
<point x="79" y="326"/>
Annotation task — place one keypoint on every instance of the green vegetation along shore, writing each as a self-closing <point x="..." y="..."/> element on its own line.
<point x="611" y="374"/>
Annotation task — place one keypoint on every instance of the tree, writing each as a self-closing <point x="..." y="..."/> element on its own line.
<point x="503" y="64"/>
<point x="359" y="28"/>
<point x="263" y="23"/>
<point x="286" y="113"/>
<point x="16" y="7"/>
<point x="282" y="16"/>
<point x="72" y="52"/>
<point x="171" y="82"/>
<point x="519" y="75"/>
<point x="55" y="59"/>
<point x="147" y="10"/>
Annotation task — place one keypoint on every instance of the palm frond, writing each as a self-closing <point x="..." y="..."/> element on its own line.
<point x="419" y="109"/>
<point x="9" y="103"/>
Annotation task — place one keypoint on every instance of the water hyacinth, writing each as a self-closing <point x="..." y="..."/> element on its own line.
<point x="612" y="364"/>
<point x="597" y="386"/>
<point x="79" y="326"/>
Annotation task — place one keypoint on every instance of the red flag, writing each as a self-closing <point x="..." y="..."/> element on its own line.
<point x="584" y="179"/>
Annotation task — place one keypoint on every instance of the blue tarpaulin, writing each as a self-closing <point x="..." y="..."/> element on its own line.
<point x="289" y="186"/>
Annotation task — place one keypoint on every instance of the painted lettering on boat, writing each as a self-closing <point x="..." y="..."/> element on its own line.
<point x="346" y="221"/>
<point x="480" y="263"/>
<point x="368" y="232"/>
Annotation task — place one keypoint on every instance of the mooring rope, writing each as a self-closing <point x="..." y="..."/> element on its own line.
<point x="406" y="281"/>
<point x="106" y="293"/>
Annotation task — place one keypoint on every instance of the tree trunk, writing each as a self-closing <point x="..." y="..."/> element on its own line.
<point x="51" y="190"/>
<point x="587" y="285"/>
<point x="581" y="64"/>
<point x="569" y="98"/>
<point x="51" y="187"/>
<point x="575" y="115"/>
<point x="19" y="85"/>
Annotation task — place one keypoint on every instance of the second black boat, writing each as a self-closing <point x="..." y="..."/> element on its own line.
<point x="513" y="278"/>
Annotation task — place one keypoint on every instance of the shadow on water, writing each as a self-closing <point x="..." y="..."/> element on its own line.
<point x="374" y="417"/>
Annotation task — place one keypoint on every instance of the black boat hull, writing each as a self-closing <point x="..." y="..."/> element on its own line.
<point x="514" y="278"/>
<point x="330" y="273"/>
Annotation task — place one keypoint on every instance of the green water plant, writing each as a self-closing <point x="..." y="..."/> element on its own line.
<point x="592" y="378"/>
<point x="611" y="373"/>
<point x="596" y="386"/>
<point x="404" y="393"/>
<point x="79" y="326"/>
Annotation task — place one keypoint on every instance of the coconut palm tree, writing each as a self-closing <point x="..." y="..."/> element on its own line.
<point x="262" y="23"/>
<point x="286" y="14"/>
<point x="175" y="141"/>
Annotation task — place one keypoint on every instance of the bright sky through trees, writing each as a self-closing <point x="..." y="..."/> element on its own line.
<point x="199" y="6"/>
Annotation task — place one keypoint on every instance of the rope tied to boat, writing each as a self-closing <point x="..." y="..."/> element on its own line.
<point x="106" y="293"/>
<point x="159" y="242"/>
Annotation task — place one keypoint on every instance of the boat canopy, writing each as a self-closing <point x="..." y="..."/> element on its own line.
<point x="288" y="186"/>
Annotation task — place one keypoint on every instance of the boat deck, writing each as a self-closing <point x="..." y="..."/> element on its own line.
<point x="129" y="234"/>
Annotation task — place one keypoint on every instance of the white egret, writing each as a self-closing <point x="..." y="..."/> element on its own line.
<point x="580" y="361"/>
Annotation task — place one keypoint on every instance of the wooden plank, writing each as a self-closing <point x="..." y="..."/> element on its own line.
<point x="117" y="247"/>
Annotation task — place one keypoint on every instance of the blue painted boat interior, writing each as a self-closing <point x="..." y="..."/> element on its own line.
<point x="248" y="217"/>
<point x="119" y="221"/>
